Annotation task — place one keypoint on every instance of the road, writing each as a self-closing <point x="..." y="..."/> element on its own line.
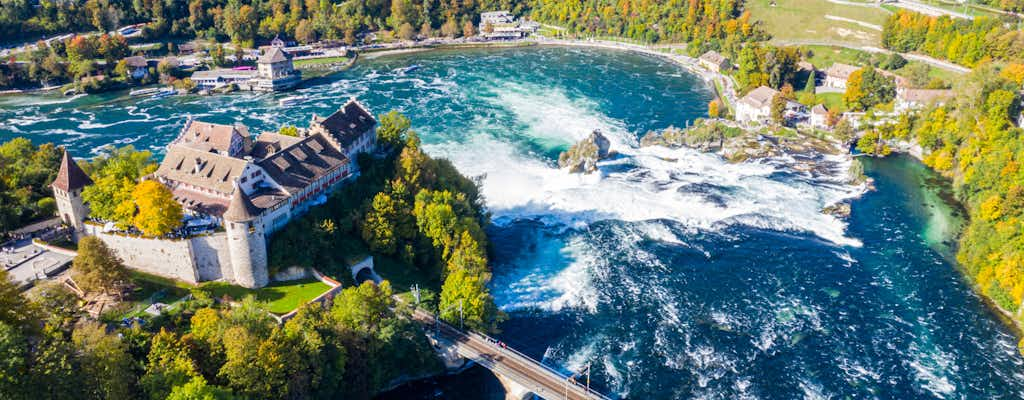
<point x="946" y="65"/>
<point x="508" y="363"/>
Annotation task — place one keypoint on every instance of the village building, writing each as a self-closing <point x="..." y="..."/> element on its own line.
<point x="714" y="61"/>
<point x="819" y="117"/>
<point x="755" y="107"/>
<point x="236" y="190"/>
<point x="274" y="72"/>
<point x="187" y="48"/>
<point x="915" y="99"/>
<point x="503" y="25"/>
<point x="1020" y="120"/>
<point x="837" y="75"/>
<point x="138" y="67"/>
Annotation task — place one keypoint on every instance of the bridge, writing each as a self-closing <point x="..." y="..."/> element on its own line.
<point x="520" y="373"/>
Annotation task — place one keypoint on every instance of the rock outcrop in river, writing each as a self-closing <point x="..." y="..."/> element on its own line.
<point x="582" y="157"/>
<point x="737" y="144"/>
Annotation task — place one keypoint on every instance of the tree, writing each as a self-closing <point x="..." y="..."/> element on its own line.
<point x="14" y="309"/>
<point x="809" y="86"/>
<point x="778" y="109"/>
<point x="363" y="309"/>
<point x="713" y="109"/>
<point x="379" y="226"/>
<point x="468" y="30"/>
<point x="96" y="268"/>
<point x="426" y="30"/>
<point x="218" y="56"/>
<point x="114" y="176"/>
<point x="199" y="389"/>
<point x="466" y="300"/>
<point x="58" y="305"/>
<point x="13" y="362"/>
<point x="406" y="31"/>
<point x="158" y="212"/>
<point x="866" y="88"/>
<point x="169" y="365"/>
<point x="104" y="363"/>
<point x="304" y="32"/>
<point x="121" y="70"/>
<point x="393" y="129"/>
<point x="449" y="29"/>
<point x="289" y="130"/>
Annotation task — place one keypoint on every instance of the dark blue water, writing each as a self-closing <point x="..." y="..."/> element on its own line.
<point x="673" y="274"/>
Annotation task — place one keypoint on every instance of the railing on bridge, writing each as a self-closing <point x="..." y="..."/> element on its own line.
<point x="494" y="342"/>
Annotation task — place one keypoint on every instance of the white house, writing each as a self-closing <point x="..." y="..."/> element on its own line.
<point x="837" y="74"/>
<point x="138" y="67"/>
<point x="819" y="117"/>
<point x="755" y="107"/>
<point x="914" y="99"/>
<point x="504" y="25"/>
<point x="714" y="61"/>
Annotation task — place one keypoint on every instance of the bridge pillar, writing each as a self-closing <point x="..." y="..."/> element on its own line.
<point x="513" y="390"/>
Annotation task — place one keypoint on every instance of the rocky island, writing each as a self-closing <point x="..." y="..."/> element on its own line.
<point x="583" y="156"/>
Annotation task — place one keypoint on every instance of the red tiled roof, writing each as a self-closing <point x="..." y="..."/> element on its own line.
<point x="70" y="176"/>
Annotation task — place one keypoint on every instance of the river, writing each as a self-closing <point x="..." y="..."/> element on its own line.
<point x="672" y="273"/>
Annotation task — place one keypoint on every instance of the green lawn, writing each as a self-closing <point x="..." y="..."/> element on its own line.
<point x="149" y="289"/>
<point x="279" y="297"/>
<point x="804" y="20"/>
<point x="318" y="61"/>
<point x="824" y="56"/>
<point x="833" y="101"/>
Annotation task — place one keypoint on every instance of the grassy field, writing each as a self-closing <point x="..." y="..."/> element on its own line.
<point x="318" y="61"/>
<point x="832" y="101"/>
<point x="279" y="297"/>
<point x="824" y="56"/>
<point x="804" y="20"/>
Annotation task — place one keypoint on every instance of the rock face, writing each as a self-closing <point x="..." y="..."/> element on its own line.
<point x="838" y="210"/>
<point x="582" y="157"/>
<point x="703" y="137"/>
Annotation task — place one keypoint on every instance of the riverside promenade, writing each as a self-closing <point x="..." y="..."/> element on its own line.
<point x="531" y="376"/>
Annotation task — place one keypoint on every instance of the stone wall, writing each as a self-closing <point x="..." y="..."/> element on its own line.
<point x="210" y="252"/>
<point x="169" y="258"/>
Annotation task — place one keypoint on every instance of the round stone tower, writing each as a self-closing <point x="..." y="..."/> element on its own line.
<point x="246" y="243"/>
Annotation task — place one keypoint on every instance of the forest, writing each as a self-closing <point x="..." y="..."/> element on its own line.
<point x="965" y="42"/>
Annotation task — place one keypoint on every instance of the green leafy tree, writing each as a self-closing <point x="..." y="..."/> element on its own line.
<point x="14" y="309"/>
<point x="466" y="300"/>
<point x="393" y="129"/>
<point x="866" y="88"/>
<point x="96" y="268"/>
<point x="199" y="389"/>
<point x="14" y="353"/>
<point x="104" y="363"/>
<point x="778" y="109"/>
<point x="169" y="365"/>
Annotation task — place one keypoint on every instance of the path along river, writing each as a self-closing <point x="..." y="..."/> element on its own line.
<point x="672" y="273"/>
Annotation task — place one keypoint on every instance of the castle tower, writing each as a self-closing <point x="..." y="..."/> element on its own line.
<point x="67" y="191"/>
<point x="246" y="243"/>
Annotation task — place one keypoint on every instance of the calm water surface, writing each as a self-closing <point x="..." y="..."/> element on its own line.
<point x="671" y="273"/>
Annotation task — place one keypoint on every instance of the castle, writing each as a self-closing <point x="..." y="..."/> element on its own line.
<point x="224" y="177"/>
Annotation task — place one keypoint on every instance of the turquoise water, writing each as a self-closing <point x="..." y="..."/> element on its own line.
<point x="672" y="273"/>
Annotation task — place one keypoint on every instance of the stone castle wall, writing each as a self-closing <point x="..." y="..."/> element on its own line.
<point x="169" y="258"/>
<point x="212" y="259"/>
